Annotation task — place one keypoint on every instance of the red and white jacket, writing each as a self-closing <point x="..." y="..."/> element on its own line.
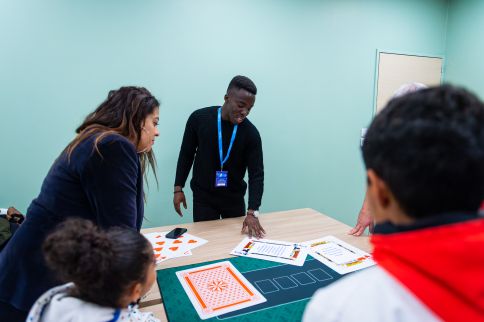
<point x="429" y="274"/>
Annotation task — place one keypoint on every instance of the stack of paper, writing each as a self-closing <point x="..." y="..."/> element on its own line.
<point x="166" y="248"/>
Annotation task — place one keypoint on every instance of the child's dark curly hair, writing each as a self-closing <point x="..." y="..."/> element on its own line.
<point x="103" y="264"/>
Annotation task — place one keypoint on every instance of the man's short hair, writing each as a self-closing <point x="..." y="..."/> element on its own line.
<point x="428" y="147"/>
<point x="242" y="82"/>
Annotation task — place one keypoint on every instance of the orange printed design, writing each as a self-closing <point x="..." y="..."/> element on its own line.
<point x="295" y="252"/>
<point x="217" y="286"/>
<point x="358" y="261"/>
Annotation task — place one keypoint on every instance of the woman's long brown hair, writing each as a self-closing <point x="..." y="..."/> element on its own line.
<point x="123" y="112"/>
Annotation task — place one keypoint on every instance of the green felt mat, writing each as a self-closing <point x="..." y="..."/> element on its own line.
<point x="178" y="307"/>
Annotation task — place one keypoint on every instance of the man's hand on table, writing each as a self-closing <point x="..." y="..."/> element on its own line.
<point x="252" y="226"/>
<point x="364" y="220"/>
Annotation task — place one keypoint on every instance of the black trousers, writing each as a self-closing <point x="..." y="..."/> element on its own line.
<point x="215" y="206"/>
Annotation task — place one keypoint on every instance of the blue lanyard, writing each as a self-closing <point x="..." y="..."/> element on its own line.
<point x="220" y="148"/>
<point x="116" y="315"/>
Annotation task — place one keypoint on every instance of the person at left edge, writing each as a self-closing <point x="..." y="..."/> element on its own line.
<point x="98" y="176"/>
<point x="10" y="220"/>
<point x="222" y="144"/>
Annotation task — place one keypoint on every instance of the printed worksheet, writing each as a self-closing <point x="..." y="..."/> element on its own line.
<point x="338" y="255"/>
<point x="217" y="289"/>
<point x="272" y="250"/>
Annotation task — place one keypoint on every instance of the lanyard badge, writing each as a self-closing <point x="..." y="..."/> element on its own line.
<point x="221" y="177"/>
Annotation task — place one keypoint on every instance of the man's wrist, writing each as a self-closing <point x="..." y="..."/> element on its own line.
<point x="178" y="189"/>
<point x="251" y="212"/>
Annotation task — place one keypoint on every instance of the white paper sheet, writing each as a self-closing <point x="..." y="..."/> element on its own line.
<point x="167" y="248"/>
<point x="338" y="255"/>
<point x="272" y="250"/>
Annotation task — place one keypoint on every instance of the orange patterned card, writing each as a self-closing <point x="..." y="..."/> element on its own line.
<point x="166" y="248"/>
<point x="217" y="289"/>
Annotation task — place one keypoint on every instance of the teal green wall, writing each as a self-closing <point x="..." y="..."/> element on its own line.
<point x="313" y="62"/>
<point x="465" y="48"/>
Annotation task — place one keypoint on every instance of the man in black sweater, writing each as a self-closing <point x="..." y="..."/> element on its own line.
<point x="224" y="145"/>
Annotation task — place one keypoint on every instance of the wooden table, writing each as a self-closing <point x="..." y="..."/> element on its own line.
<point x="223" y="235"/>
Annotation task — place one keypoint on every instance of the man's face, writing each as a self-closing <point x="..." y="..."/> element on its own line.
<point x="239" y="103"/>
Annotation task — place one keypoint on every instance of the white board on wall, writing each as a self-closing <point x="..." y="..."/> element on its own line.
<point x="396" y="69"/>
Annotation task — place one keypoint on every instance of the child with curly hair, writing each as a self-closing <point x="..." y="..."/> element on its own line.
<point x="108" y="271"/>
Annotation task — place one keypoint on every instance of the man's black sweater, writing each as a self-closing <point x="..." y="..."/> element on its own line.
<point x="200" y="142"/>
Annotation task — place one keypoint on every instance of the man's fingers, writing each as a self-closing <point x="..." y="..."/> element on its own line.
<point x="253" y="228"/>
<point x="250" y="231"/>
<point x="176" y="204"/>
<point x="356" y="231"/>
<point x="244" y="227"/>
<point x="360" y="231"/>
<point x="258" y="233"/>
<point x="353" y="230"/>
<point x="184" y="203"/>
<point x="258" y="230"/>
<point x="177" y="208"/>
